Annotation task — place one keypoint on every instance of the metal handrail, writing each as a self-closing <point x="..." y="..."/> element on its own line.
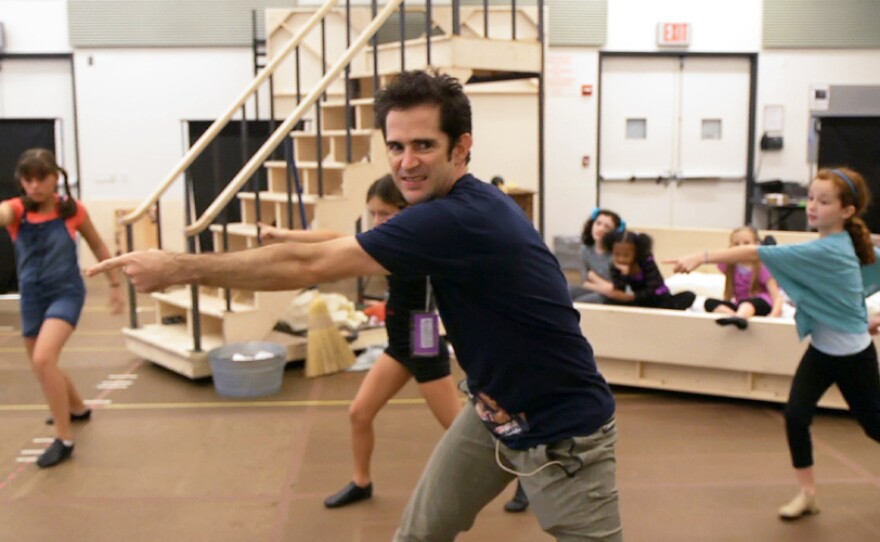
<point x="283" y="131"/>
<point x="206" y="138"/>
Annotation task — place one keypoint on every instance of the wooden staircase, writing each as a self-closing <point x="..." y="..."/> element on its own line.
<point x="334" y="167"/>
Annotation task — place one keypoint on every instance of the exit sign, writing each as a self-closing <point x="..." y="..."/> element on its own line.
<point x="673" y="34"/>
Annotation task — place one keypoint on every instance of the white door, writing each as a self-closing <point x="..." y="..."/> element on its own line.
<point x="674" y="140"/>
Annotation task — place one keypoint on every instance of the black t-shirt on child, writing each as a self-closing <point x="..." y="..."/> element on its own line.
<point x="507" y="311"/>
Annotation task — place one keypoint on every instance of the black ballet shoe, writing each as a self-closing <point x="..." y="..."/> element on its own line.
<point x="519" y="502"/>
<point x="737" y="321"/>
<point x="83" y="416"/>
<point x="56" y="453"/>
<point x="350" y="494"/>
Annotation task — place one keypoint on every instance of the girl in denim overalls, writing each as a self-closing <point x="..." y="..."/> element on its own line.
<point x="43" y="227"/>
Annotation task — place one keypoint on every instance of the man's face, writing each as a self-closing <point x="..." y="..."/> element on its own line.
<point x="419" y="153"/>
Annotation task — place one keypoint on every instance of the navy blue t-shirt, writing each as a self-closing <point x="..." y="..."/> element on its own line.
<point x="507" y="312"/>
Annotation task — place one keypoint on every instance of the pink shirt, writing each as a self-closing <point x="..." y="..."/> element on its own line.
<point x="742" y="283"/>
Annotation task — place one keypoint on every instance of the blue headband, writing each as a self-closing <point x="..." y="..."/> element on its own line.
<point x="849" y="181"/>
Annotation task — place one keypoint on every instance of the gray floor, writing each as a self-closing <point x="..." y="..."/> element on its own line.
<point x="168" y="459"/>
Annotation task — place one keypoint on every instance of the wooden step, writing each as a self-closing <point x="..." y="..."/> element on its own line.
<point x="326" y="164"/>
<point x="362" y="114"/>
<point x="209" y="305"/>
<point x="253" y="314"/>
<point x="331" y="133"/>
<point x="274" y="207"/>
<point x="367" y="144"/>
<point x="281" y="197"/>
<point x="171" y="346"/>
<point x="459" y="56"/>
<point x="239" y="229"/>
<point x="354" y="102"/>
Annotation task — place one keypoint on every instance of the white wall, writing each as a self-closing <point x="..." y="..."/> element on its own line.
<point x="40" y="89"/>
<point x="35" y="26"/>
<point x="570" y="189"/>
<point x="785" y="78"/>
<point x="132" y="104"/>
<point x="505" y="133"/>
<point x="716" y="26"/>
<point x="571" y="134"/>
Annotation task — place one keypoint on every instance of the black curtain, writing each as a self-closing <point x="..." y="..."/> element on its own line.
<point x="854" y="142"/>
<point x="16" y="136"/>
<point x="219" y="163"/>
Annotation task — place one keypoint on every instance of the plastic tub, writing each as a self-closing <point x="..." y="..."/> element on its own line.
<point x="251" y="378"/>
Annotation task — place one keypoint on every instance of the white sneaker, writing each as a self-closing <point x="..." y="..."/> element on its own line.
<point x="802" y="505"/>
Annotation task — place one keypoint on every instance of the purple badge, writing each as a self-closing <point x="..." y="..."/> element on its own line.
<point x="425" y="334"/>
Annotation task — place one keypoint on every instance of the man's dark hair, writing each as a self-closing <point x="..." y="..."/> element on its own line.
<point x="415" y="88"/>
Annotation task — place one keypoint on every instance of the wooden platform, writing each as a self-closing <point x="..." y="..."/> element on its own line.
<point x="683" y="351"/>
<point x="172" y="346"/>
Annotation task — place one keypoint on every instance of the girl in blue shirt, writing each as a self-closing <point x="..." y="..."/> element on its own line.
<point x="828" y="280"/>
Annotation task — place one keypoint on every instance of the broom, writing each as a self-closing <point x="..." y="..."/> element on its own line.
<point x="327" y="350"/>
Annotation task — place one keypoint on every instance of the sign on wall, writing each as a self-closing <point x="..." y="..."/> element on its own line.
<point x="673" y="34"/>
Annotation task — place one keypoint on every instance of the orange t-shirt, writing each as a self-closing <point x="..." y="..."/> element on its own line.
<point x="73" y="223"/>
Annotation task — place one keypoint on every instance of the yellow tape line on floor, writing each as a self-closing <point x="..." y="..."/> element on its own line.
<point x="76" y="333"/>
<point x="21" y="350"/>
<point x="215" y="404"/>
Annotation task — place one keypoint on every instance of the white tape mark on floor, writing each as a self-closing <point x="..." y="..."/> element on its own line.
<point x="114" y="385"/>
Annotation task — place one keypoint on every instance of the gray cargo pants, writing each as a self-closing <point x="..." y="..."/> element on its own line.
<point x="574" y="501"/>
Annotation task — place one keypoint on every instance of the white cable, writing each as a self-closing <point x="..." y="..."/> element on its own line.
<point x="517" y="473"/>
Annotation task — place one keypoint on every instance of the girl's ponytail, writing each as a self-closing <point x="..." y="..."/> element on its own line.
<point x="853" y="190"/>
<point x="861" y="238"/>
<point x="66" y="205"/>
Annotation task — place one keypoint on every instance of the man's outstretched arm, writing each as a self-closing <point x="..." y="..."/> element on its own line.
<point x="285" y="266"/>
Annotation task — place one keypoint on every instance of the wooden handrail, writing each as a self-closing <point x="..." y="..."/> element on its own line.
<point x="206" y="138"/>
<point x="283" y="131"/>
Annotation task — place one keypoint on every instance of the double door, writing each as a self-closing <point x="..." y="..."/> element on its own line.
<point x="674" y="139"/>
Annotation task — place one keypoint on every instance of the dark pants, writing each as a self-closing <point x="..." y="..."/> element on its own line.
<point x="762" y="308"/>
<point x="858" y="378"/>
<point x="681" y="301"/>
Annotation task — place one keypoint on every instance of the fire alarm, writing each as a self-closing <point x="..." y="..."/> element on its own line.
<point x="586" y="90"/>
<point x="585" y="161"/>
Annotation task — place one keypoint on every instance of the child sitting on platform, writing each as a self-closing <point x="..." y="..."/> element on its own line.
<point x="749" y="290"/>
<point x="635" y="278"/>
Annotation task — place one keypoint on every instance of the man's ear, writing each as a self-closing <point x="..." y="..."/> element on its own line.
<point x="462" y="148"/>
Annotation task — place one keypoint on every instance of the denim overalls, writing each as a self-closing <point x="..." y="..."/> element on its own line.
<point x="49" y="277"/>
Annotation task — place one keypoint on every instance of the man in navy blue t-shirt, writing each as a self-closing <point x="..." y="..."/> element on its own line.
<point x="540" y="408"/>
